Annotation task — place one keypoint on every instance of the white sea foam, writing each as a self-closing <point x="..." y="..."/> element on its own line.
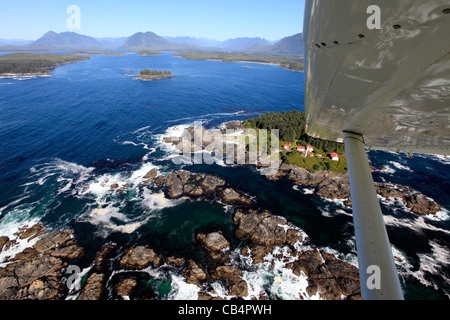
<point x="158" y="201"/>
<point x="441" y="215"/>
<point x="274" y="276"/>
<point x="430" y="263"/>
<point x="412" y="221"/>
<point x="386" y="169"/>
<point x="108" y="210"/>
<point x="400" y="166"/>
<point x="66" y="172"/>
<point x="219" y="291"/>
<point x="444" y="159"/>
<point x="10" y="226"/>
<point x="109" y="217"/>
<point x="101" y="186"/>
<point x="13" y="203"/>
<point x="181" y="290"/>
<point x="303" y="190"/>
<point x="175" y="132"/>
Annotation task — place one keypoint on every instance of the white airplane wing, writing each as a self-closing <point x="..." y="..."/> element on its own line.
<point x="377" y="75"/>
<point x="391" y="84"/>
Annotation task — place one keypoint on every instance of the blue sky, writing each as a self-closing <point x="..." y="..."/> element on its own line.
<point x="215" y="19"/>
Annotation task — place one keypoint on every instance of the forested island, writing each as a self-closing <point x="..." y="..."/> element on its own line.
<point x="292" y="64"/>
<point x="148" y="53"/>
<point x="35" y="64"/>
<point x="147" y="74"/>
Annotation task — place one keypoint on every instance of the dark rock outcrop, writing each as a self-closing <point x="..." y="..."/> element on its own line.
<point x="262" y="228"/>
<point x="35" y="273"/>
<point x="216" y="245"/>
<point x="231" y="277"/>
<point x="337" y="186"/>
<point x="93" y="288"/>
<point x="125" y="287"/>
<point x="194" y="274"/>
<point x="139" y="257"/>
<point x="416" y="202"/>
<point x="332" y="277"/>
<point x="327" y="275"/>
<point x="195" y="185"/>
<point x="329" y="185"/>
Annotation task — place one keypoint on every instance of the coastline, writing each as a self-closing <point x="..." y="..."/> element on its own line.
<point x="137" y="211"/>
<point x="241" y="58"/>
<point x="327" y="184"/>
<point x="270" y="244"/>
<point x="262" y="246"/>
<point x="23" y="75"/>
<point x="22" y="63"/>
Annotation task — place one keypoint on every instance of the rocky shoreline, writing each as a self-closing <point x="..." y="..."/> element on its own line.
<point x="41" y="271"/>
<point x="337" y="186"/>
<point x="330" y="185"/>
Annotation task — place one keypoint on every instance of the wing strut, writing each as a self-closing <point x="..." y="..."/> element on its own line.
<point x="378" y="274"/>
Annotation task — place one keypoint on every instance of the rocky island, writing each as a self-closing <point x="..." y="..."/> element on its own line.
<point x="148" y="75"/>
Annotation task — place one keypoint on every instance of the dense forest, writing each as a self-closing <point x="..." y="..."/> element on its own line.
<point x="153" y="72"/>
<point x="42" y="63"/>
<point x="284" y="62"/>
<point x="291" y="126"/>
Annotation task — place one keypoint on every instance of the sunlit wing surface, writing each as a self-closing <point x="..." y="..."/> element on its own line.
<point x="384" y="88"/>
<point x="390" y="85"/>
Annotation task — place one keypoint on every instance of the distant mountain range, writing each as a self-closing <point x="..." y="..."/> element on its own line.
<point x="289" y="46"/>
<point x="292" y="45"/>
<point x="66" y="40"/>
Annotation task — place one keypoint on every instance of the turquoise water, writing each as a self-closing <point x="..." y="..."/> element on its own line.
<point x="66" y="138"/>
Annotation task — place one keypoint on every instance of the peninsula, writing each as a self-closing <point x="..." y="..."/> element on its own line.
<point x="288" y="63"/>
<point x="147" y="75"/>
<point x="34" y="64"/>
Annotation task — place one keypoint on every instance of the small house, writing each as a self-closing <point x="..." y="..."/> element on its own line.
<point x="286" y="147"/>
<point x="309" y="148"/>
<point x="309" y="154"/>
<point x="301" y="149"/>
<point x="334" y="156"/>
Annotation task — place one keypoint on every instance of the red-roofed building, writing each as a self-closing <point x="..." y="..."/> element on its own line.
<point x="309" y="154"/>
<point x="309" y="148"/>
<point x="285" y="146"/>
<point x="334" y="156"/>
<point x="301" y="149"/>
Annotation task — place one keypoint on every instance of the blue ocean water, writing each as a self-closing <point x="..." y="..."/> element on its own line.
<point x="66" y="138"/>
